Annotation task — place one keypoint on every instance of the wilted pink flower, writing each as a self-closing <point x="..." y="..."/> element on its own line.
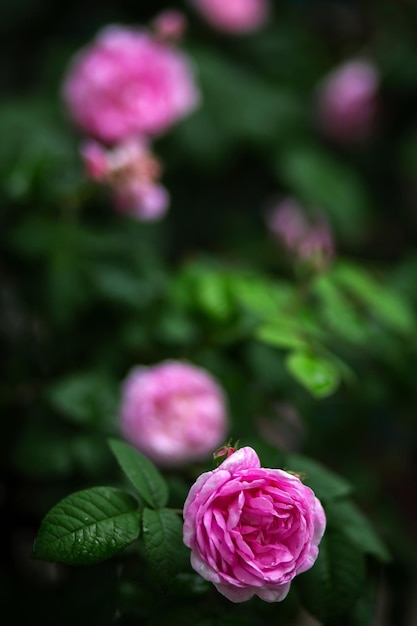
<point x="143" y="200"/>
<point x="287" y="222"/>
<point x="252" y="529"/>
<point x="126" y="83"/>
<point x="131" y="172"/>
<point x="173" y="412"/>
<point x="170" y="26"/>
<point x="234" y="16"/>
<point x="347" y="101"/>
<point x="95" y="159"/>
<point x="306" y="239"/>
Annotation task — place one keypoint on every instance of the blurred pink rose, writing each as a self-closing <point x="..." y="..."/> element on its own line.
<point x="127" y="83"/>
<point x="131" y="172"/>
<point x="234" y="16"/>
<point x="347" y="101"/>
<point x="251" y="529"/>
<point x="173" y="412"/>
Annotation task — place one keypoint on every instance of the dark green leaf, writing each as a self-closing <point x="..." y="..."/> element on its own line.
<point x="386" y="304"/>
<point x="336" y="580"/>
<point x="141" y="472"/>
<point x="281" y="334"/>
<point x="326" y="484"/>
<point x="320" y="180"/>
<point x="346" y="516"/>
<point x="87" y="527"/>
<point x="162" y="536"/>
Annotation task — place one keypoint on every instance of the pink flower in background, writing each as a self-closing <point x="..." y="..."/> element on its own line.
<point x="306" y="239"/>
<point x="251" y="530"/>
<point x="173" y="412"/>
<point x="169" y="26"/>
<point x="126" y="83"/>
<point x="287" y="222"/>
<point x="234" y="16"/>
<point x="131" y="172"/>
<point x="347" y="101"/>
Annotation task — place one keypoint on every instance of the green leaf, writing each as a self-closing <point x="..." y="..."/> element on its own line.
<point x="88" y="527"/>
<point x="329" y="590"/>
<point x="318" y="374"/>
<point x="346" y="516"/>
<point x="141" y="472"/>
<point x="164" y="547"/>
<point x="339" y="313"/>
<point x="281" y="334"/>
<point x="387" y="305"/>
<point x="259" y="296"/>
<point x="319" y="179"/>
<point x="327" y="485"/>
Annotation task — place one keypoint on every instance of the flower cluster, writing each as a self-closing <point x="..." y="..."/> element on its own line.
<point x="131" y="172"/>
<point x="251" y="530"/>
<point x="173" y="412"/>
<point x="126" y="88"/>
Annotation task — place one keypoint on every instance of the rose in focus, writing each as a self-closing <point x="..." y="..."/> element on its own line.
<point x="173" y="412"/>
<point x="127" y="83"/>
<point x="251" y="530"/>
<point x="234" y="16"/>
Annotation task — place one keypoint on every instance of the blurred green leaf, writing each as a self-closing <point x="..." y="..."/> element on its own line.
<point x="326" y="484"/>
<point x="88" y="527"/>
<point x="318" y="374"/>
<point x="338" y="311"/>
<point x="347" y="517"/>
<point x="260" y="296"/>
<point x="86" y="397"/>
<point x="282" y="334"/>
<point x="141" y="472"/>
<point x="322" y="182"/>
<point x="387" y="305"/>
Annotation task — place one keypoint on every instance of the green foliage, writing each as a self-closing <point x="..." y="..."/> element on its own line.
<point x="87" y="398"/>
<point x="141" y="472"/>
<point x="330" y="589"/>
<point x="317" y="373"/>
<point x="87" y="527"/>
<point x="162" y="537"/>
<point x="327" y="485"/>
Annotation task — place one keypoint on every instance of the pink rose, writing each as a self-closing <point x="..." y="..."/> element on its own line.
<point x="127" y="83"/>
<point x="252" y="529"/>
<point x="347" y="101"/>
<point x="234" y="16"/>
<point x="173" y="412"/>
